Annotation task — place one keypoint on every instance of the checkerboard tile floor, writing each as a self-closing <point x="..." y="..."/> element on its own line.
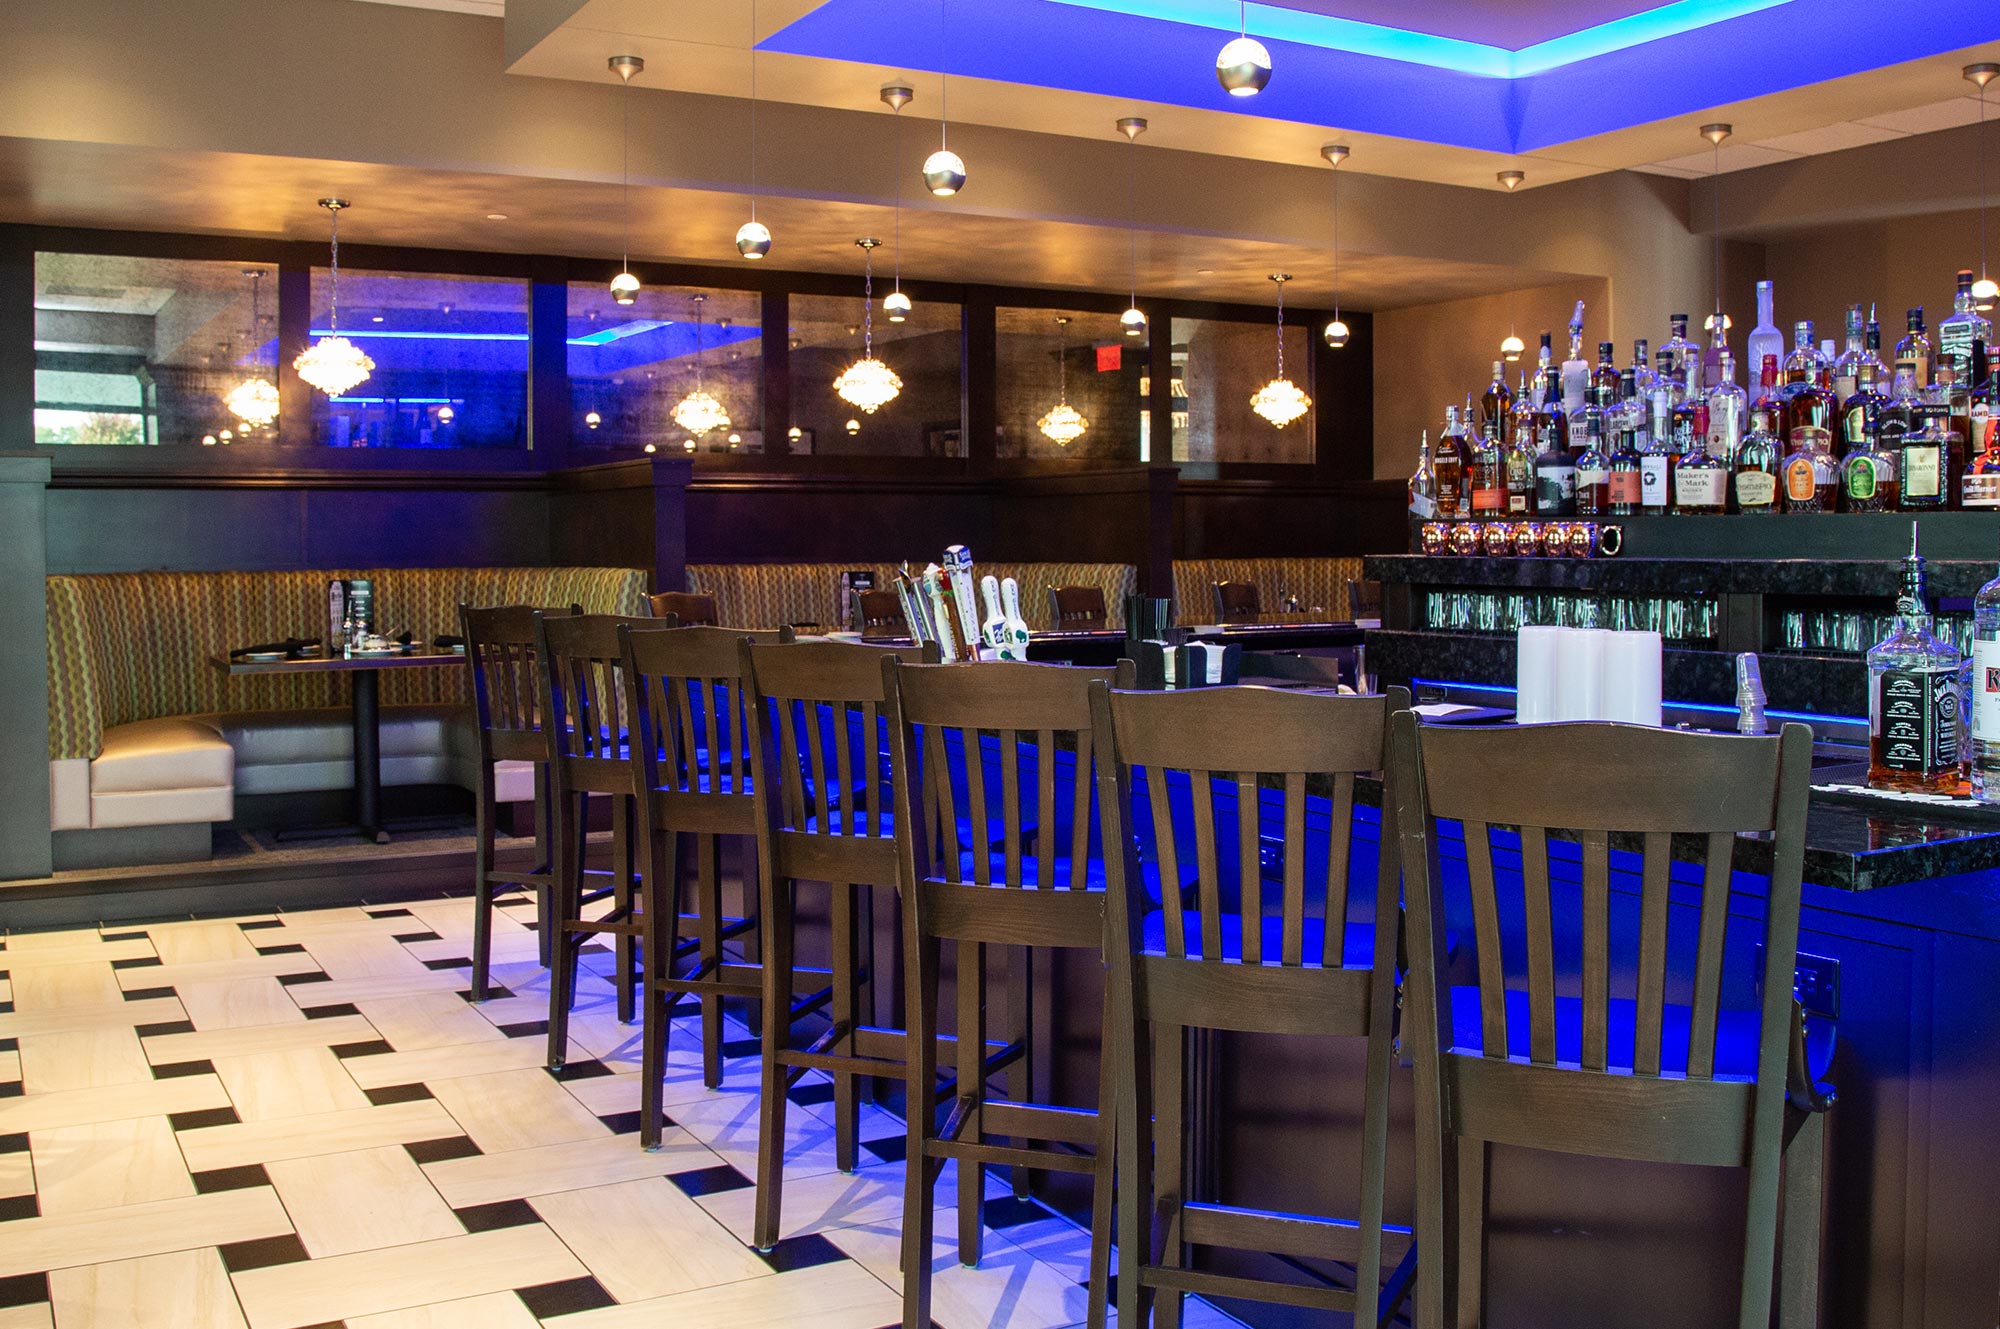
<point x="294" y="1121"/>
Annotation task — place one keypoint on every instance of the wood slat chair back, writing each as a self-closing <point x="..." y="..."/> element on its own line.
<point x="1300" y="955"/>
<point x="1076" y="608"/>
<point x="1237" y="600"/>
<point x="506" y="712"/>
<point x="1580" y="1036"/>
<point x="691" y="609"/>
<point x="958" y="737"/>
<point x="820" y="788"/>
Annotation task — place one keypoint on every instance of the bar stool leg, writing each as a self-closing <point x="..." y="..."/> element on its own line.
<point x="482" y="882"/>
<point x="566" y="847"/>
<point x="845" y="1014"/>
<point x="622" y="899"/>
<point x="920" y="1170"/>
<point x="1103" y="1153"/>
<point x="708" y="909"/>
<point x="775" y="901"/>
<point x="657" y="949"/>
<point x="1170" y="1158"/>
<point x="545" y="857"/>
<point x="1021" y="1074"/>
<point x="971" y="982"/>
<point x="1471" y="1222"/>
<point x="1801" y="1229"/>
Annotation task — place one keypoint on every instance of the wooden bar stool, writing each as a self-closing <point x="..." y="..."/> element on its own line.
<point x="1285" y="961"/>
<point x="1621" y="1070"/>
<point x="1076" y="608"/>
<point x="506" y="715"/>
<point x="823" y="805"/>
<point x="970" y="895"/>
<point x="585" y="725"/>
<point x="688" y="609"/>
<point x="692" y="766"/>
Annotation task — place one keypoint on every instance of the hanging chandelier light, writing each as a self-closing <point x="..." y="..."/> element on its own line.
<point x="1335" y="332"/>
<point x="699" y="413"/>
<point x="868" y="383"/>
<point x="1280" y="400"/>
<point x="753" y="238"/>
<point x="254" y="401"/>
<point x="625" y="287"/>
<point x="1243" y="67"/>
<point x="944" y="170"/>
<point x="333" y="364"/>
<point x="1062" y="423"/>
<point x="895" y="304"/>
<point x="1133" y="320"/>
<point x="1985" y="291"/>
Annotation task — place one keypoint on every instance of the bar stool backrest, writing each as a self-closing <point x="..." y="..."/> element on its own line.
<point x="1237" y="600"/>
<point x="691" y="608"/>
<point x="1075" y="608"/>
<point x="941" y="717"/>
<point x="689" y="723"/>
<point x="586" y="721"/>
<point x="506" y="688"/>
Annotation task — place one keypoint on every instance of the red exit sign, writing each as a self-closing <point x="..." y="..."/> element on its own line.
<point x="1110" y="359"/>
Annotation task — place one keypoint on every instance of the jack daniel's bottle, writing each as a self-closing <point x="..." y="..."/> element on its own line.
<point x="1913" y="699"/>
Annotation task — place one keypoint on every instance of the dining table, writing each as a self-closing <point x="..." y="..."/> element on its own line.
<point x="364" y="671"/>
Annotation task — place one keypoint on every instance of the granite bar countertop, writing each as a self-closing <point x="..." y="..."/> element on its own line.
<point x="1871" y="578"/>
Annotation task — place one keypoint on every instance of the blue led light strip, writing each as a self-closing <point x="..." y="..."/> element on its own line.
<point x="1422" y="48"/>
<point x="602" y="337"/>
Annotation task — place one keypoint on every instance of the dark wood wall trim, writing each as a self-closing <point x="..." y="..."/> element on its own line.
<point x="17" y="342"/>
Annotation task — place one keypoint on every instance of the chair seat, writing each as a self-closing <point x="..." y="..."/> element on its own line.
<point x="1735" y="1035"/>
<point x="1357" y="950"/>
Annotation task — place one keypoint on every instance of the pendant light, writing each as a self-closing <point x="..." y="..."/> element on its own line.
<point x="897" y="305"/>
<point x="1280" y="400"/>
<point x="1718" y="322"/>
<point x="333" y="364"/>
<point x="254" y="401"/>
<point x="944" y="170"/>
<point x="699" y="413"/>
<point x="1984" y="291"/>
<point x="753" y="238"/>
<point x="1243" y="67"/>
<point x="1133" y="320"/>
<point x="1062" y="424"/>
<point x="868" y="383"/>
<point x="625" y="287"/>
<point x="1511" y="345"/>
<point x="1335" y="332"/>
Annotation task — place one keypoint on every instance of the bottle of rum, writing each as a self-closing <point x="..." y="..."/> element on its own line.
<point x="1985" y="695"/>
<point x="1593" y="462"/>
<point x="1913" y="352"/>
<point x="1624" y="492"/>
<point x="1448" y="465"/>
<point x="1423" y="483"/>
<point x="1765" y="338"/>
<point x="1496" y="406"/>
<point x="1913" y="701"/>
<point x="1961" y="331"/>
<point x="1754" y="484"/>
<point x="1486" y="476"/>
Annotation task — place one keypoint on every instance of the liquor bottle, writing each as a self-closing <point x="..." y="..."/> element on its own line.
<point x="1913" y="352"/>
<point x="1803" y="364"/>
<point x="1593" y="462"/>
<point x="1661" y="400"/>
<point x="1958" y="333"/>
<point x="1867" y="469"/>
<point x="1980" y="489"/>
<point x="1808" y="476"/>
<point x="1642" y="366"/>
<point x="1519" y="464"/>
<point x="1767" y="408"/>
<point x="1575" y="370"/>
<point x="1686" y="356"/>
<point x="1606" y="373"/>
<point x="1656" y="469"/>
<point x="1871" y="350"/>
<point x="1496" y="406"/>
<point x="1847" y="369"/>
<point x="1423" y="483"/>
<point x="1728" y="412"/>
<point x="1809" y="401"/>
<point x="1624" y="485"/>
<point x="1486" y="475"/>
<point x="1765" y="338"/>
<point x="1930" y="459"/>
<point x="1718" y="345"/>
<point x="1913" y="701"/>
<point x="1985" y="696"/>
<point x="1544" y="366"/>
<point x="1701" y="479"/>
<point x="1448" y="465"/>
<point x="1629" y="409"/>
<point x="1555" y="464"/>
<point x="1982" y="408"/>
<point x="1551" y="420"/>
<point x="1690" y="423"/>
<point x="1861" y="410"/>
<point x="1521" y="431"/>
<point x="1899" y="419"/>
<point x="1754" y="484"/>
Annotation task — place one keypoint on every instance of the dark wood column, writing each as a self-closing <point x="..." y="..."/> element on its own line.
<point x="25" y="843"/>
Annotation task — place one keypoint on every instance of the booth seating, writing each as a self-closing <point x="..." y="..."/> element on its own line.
<point x="770" y="595"/>
<point x="145" y="730"/>
<point x="1316" y="583"/>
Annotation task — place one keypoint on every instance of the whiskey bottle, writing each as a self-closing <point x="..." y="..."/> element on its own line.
<point x="1868" y="476"/>
<point x="1985" y="694"/>
<point x="1448" y="465"/>
<point x="1913" y="701"/>
<point x="1808" y="399"/>
<point x="1496" y="406"/>
<point x="1555" y="464"/>
<point x="1593" y="463"/>
<point x="1606" y="373"/>
<point x="1701" y="479"/>
<point x="1765" y="338"/>
<point x="1861" y="410"/>
<point x="1847" y="369"/>
<point x="1958" y="333"/>
<point x="1754" y="482"/>
<point x="1624" y="492"/>
<point x="1423" y="483"/>
<point x="1486" y="475"/>
<point x="1928" y="462"/>
<point x="1519" y="464"/>
<point x="1656" y="471"/>
<point x="1520" y="433"/>
<point x="1808" y="477"/>
<point x="1913" y="352"/>
<point x="1728" y="412"/>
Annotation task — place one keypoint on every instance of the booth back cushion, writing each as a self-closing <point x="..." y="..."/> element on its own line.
<point x="764" y="595"/>
<point x="137" y="646"/>
<point x="1318" y="583"/>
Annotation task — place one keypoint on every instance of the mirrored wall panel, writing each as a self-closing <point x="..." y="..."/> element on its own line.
<point x="680" y="368"/>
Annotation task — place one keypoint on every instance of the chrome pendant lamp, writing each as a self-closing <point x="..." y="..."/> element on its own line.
<point x="895" y="304"/>
<point x="333" y="364"/>
<point x="1243" y="67"/>
<point x="944" y="170"/>
<point x="625" y="287"/>
<point x="1335" y="332"/>
<point x="753" y="238"/>
<point x="1133" y="320"/>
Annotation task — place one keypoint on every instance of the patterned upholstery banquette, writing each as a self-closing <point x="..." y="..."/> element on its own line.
<point x="144" y="730"/>
<point x="1317" y="584"/>
<point x="763" y="595"/>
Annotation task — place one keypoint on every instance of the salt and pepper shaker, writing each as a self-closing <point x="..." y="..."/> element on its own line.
<point x="1750" y="695"/>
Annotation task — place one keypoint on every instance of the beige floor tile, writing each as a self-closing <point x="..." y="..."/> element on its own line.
<point x="430" y="1020"/>
<point x="432" y="1065"/>
<point x="833" y="1296"/>
<point x="56" y="986"/>
<point x="495" y="1310"/>
<point x="82" y="1059"/>
<point x="344" y="955"/>
<point x="38" y="1316"/>
<point x="102" y="952"/>
<point x="10" y="1066"/>
<point x="828" y="1200"/>
<point x="180" y="1290"/>
<point x="515" y="1110"/>
<point x="192" y="942"/>
<point x="240" y="1003"/>
<point x="524" y="1173"/>
<point x="213" y="971"/>
<point x="727" y="1124"/>
<point x="17" y="1173"/>
<point x="1009" y="1289"/>
<point x="646" y="1239"/>
<point x="63" y="1241"/>
<point x="370" y="1282"/>
<point x="151" y="1010"/>
<point x="381" y="987"/>
<point x="109" y="1164"/>
<point x="81" y="1107"/>
<point x="605" y="1094"/>
<point x="297" y="1082"/>
<point x="342" y="1203"/>
<point x="218" y="1043"/>
<point x="54" y="939"/>
<point x="304" y="1137"/>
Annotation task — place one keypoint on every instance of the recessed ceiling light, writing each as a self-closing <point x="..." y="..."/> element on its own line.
<point x="496" y="216"/>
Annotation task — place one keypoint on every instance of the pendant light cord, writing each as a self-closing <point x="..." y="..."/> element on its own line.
<point x="753" y="111"/>
<point x="1715" y="197"/>
<point x="1336" y="244"/>
<point x="625" y="163"/>
<point x="1983" y="199"/>
<point x="1132" y="217"/>
<point x="894" y="170"/>
<point x="944" y="79"/>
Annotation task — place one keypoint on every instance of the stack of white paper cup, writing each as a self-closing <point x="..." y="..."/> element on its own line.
<point x="1632" y="678"/>
<point x="1535" y="674"/>
<point x="1580" y="673"/>
<point x="1586" y="674"/>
